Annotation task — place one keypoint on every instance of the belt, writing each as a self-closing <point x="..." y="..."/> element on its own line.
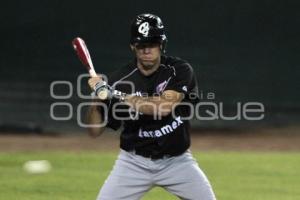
<point x="151" y="155"/>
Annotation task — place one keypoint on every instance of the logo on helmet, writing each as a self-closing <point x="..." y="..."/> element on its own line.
<point x="144" y="29"/>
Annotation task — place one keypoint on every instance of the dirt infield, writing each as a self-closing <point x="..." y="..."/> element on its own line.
<point x="283" y="139"/>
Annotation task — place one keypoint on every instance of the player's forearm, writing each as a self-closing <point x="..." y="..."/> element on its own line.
<point x="94" y="119"/>
<point x="151" y="105"/>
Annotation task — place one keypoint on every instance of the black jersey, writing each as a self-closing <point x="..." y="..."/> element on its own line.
<point x="145" y="134"/>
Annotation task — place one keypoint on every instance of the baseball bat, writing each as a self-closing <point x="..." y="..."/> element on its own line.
<point x="84" y="56"/>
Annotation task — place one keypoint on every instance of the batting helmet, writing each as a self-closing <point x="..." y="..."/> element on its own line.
<point x="148" y="28"/>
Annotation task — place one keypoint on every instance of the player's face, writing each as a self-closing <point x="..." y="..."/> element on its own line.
<point x="148" y="54"/>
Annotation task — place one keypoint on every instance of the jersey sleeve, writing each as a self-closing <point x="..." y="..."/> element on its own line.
<point x="109" y="115"/>
<point x="111" y="121"/>
<point x="184" y="81"/>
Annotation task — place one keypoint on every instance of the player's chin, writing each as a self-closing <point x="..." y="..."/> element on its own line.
<point x="148" y="64"/>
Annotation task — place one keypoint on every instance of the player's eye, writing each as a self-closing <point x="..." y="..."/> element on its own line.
<point x="145" y="45"/>
<point x="141" y="46"/>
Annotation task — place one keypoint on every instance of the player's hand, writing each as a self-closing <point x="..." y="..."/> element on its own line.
<point x="101" y="89"/>
<point x="93" y="81"/>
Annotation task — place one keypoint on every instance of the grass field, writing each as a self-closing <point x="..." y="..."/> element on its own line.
<point x="79" y="175"/>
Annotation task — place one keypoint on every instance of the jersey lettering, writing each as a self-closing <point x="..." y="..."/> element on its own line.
<point x="167" y="129"/>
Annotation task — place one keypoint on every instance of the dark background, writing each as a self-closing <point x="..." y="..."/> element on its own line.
<point x="241" y="51"/>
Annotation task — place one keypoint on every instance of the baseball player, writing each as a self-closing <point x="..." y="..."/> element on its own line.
<point x="153" y="110"/>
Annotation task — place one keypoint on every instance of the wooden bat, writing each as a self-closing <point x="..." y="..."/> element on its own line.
<point x="84" y="56"/>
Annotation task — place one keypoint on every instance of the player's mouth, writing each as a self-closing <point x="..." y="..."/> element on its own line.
<point x="147" y="59"/>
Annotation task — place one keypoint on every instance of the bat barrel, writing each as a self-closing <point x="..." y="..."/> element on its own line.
<point x="84" y="55"/>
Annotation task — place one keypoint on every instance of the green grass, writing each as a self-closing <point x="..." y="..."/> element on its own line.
<point x="78" y="176"/>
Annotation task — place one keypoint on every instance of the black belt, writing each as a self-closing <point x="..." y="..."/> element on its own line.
<point x="153" y="156"/>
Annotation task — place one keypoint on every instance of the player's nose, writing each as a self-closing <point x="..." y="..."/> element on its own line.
<point x="147" y="50"/>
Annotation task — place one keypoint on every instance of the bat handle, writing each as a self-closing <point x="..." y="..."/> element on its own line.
<point x="105" y="92"/>
<point x="93" y="73"/>
<point x="102" y="90"/>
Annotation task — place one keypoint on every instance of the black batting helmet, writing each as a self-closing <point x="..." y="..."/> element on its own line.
<point x="148" y="28"/>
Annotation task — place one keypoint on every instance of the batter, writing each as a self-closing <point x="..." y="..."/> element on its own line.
<point x="153" y="112"/>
